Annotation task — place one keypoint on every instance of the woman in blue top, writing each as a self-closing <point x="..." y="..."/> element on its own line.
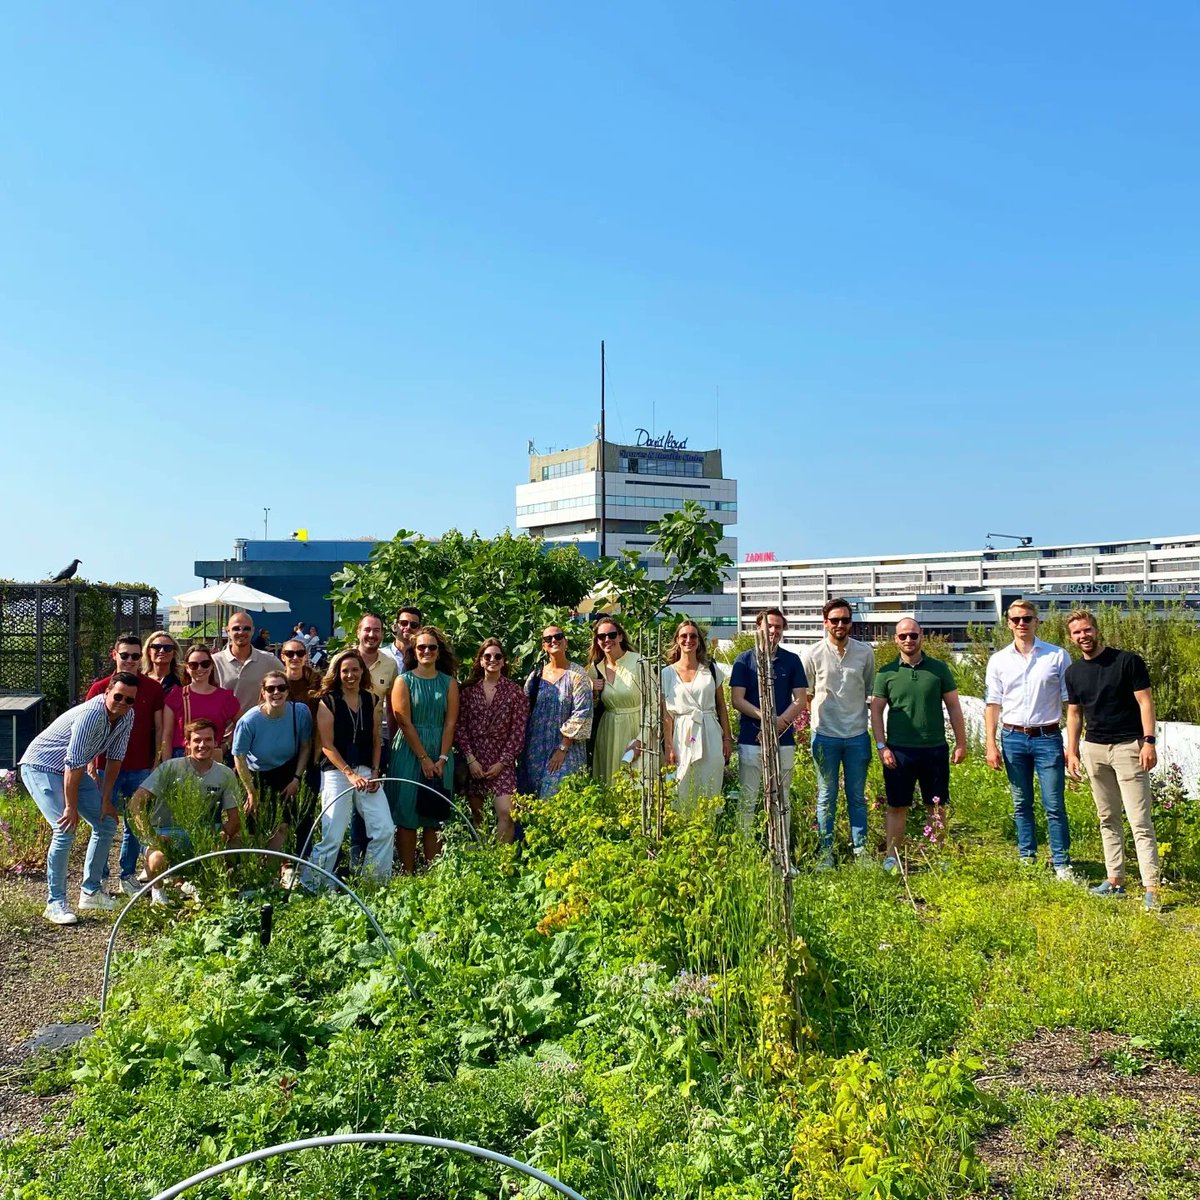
<point x="425" y="701"/>
<point x="271" y="747"/>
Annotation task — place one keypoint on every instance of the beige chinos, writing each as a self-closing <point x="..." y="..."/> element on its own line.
<point x="1119" y="781"/>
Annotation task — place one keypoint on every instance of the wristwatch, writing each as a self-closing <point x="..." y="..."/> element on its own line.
<point x="880" y="746"/>
<point x="1149" y="739"/>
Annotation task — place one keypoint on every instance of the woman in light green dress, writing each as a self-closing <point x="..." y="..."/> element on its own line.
<point x="613" y="668"/>
<point x="425" y="701"/>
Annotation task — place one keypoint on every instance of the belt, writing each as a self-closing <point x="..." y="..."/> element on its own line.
<point x="1034" y="730"/>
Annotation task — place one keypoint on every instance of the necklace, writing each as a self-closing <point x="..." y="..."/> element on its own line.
<point x="356" y="720"/>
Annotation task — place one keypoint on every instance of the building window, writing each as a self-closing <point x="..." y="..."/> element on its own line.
<point x="666" y="502"/>
<point x="573" y="466"/>
<point x="647" y="464"/>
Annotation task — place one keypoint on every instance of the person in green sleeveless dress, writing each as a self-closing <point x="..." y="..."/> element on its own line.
<point x="615" y="684"/>
<point x="425" y="702"/>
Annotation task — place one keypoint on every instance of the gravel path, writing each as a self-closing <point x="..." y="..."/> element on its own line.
<point x="46" y="971"/>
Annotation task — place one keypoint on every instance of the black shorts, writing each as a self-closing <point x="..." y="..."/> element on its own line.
<point x="926" y="766"/>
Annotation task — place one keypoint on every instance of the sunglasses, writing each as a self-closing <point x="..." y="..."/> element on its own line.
<point x="161" y="648"/>
<point x="905" y="637"/>
<point x="554" y="637"/>
<point x="688" y="637"/>
<point x="407" y="625"/>
<point x="1024" y="619"/>
<point x="127" y="657"/>
<point x="426" y="648"/>
<point x="199" y="664"/>
<point x="612" y="635"/>
<point x="294" y="653"/>
<point x="492" y="658"/>
<point x="273" y="689"/>
<point x="840" y="620"/>
<point x="240" y="628"/>
<point x="122" y="698"/>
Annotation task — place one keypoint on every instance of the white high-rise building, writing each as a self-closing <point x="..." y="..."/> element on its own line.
<point x="563" y="499"/>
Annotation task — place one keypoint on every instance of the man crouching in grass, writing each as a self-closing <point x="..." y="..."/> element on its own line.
<point x="217" y="784"/>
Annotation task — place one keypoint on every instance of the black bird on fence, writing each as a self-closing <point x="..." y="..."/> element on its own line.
<point x="67" y="572"/>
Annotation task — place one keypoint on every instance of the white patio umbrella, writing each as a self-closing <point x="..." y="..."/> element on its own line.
<point x="233" y="595"/>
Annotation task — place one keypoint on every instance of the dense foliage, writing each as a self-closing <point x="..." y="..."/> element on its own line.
<point x="619" y="1012"/>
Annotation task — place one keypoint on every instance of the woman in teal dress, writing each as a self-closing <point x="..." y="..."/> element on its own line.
<point x="425" y="701"/>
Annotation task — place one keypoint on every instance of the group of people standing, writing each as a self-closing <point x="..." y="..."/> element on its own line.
<point x="384" y="739"/>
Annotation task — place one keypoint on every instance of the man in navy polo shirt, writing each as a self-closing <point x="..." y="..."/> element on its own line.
<point x="791" y="699"/>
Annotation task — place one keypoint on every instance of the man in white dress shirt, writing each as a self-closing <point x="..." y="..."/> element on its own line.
<point x="1026" y="690"/>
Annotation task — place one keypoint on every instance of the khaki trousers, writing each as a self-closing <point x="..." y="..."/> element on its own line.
<point x="750" y="799"/>
<point x="1118" y="780"/>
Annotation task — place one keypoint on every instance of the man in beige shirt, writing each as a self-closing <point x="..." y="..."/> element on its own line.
<point x="841" y="675"/>
<point x="240" y="667"/>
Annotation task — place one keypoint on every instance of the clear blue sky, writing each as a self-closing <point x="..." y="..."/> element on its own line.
<point x="938" y="262"/>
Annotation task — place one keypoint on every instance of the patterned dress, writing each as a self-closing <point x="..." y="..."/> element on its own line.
<point x="427" y="701"/>
<point x="492" y="733"/>
<point x="562" y="710"/>
<point x="622" y="717"/>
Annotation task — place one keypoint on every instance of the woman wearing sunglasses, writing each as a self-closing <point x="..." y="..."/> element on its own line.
<point x="696" y="735"/>
<point x="425" y="702"/>
<point x="198" y="698"/>
<point x="162" y="661"/>
<point x="271" y="746"/>
<point x="560" y="718"/>
<point x="612" y="665"/>
<point x="491" y="732"/>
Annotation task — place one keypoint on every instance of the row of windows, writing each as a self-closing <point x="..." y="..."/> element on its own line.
<point x="669" y="502"/>
<point x="637" y="464"/>
<point x="573" y="466"/>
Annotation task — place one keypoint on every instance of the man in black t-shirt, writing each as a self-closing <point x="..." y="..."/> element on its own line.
<point x="1109" y="690"/>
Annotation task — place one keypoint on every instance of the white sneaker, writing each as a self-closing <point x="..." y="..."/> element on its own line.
<point x="143" y="876"/>
<point x="825" y="861"/>
<point x="130" y="887"/>
<point x="98" y="901"/>
<point x="862" y="858"/>
<point x="891" y="864"/>
<point x="58" y="913"/>
<point x="190" y="890"/>
<point x="287" y="877"/>
<point x="158" y="896"/>
<point x="1066" y="875"/>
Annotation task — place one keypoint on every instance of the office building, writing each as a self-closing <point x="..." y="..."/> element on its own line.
<point x="949" y="590"/>
<point x="296" y="571"/>
<point x="571" y="497"/>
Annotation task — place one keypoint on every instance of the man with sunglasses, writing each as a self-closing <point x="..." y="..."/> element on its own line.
<point x="54" y="769"/>
<point x="141" y="755"/>
<point x="841" y="674"/>
<point x="408" y="621"/>
<point x="914" y="689"/>
<point x="240" y="666"/>
<point x="1026" y="690"/>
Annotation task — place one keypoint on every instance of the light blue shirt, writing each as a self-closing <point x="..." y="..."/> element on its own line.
<point x="268" y="742"/>
<point x="75" y="738"/>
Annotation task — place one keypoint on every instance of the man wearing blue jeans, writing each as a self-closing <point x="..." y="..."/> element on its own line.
<point x="141" y="753"/>
<point x="1026" y="690"/>
<point x="54" y="771"/>
<point x="841" y="675"/>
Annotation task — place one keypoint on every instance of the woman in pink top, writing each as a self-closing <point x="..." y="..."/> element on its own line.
<point x="199" y="698"/>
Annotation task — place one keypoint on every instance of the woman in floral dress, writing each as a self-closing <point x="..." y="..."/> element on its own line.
<point x="560" y="718"/>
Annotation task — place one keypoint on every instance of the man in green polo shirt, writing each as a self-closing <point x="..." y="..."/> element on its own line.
<point x="914" y="689"/>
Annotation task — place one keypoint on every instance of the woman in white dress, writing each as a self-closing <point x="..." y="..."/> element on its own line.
<point x="696" y="737"/>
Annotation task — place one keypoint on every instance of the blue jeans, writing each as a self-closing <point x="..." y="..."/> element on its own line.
<point x="46" y="788"/>
<point x="126" y="784"/>
<point x="1022" y="756"/>
<point x="853" y="756"/>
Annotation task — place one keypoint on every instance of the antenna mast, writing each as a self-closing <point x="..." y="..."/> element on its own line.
<point x="603" y="489"/>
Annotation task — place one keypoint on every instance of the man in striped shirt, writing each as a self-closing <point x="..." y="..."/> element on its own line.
<point x="54" y="771"/>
